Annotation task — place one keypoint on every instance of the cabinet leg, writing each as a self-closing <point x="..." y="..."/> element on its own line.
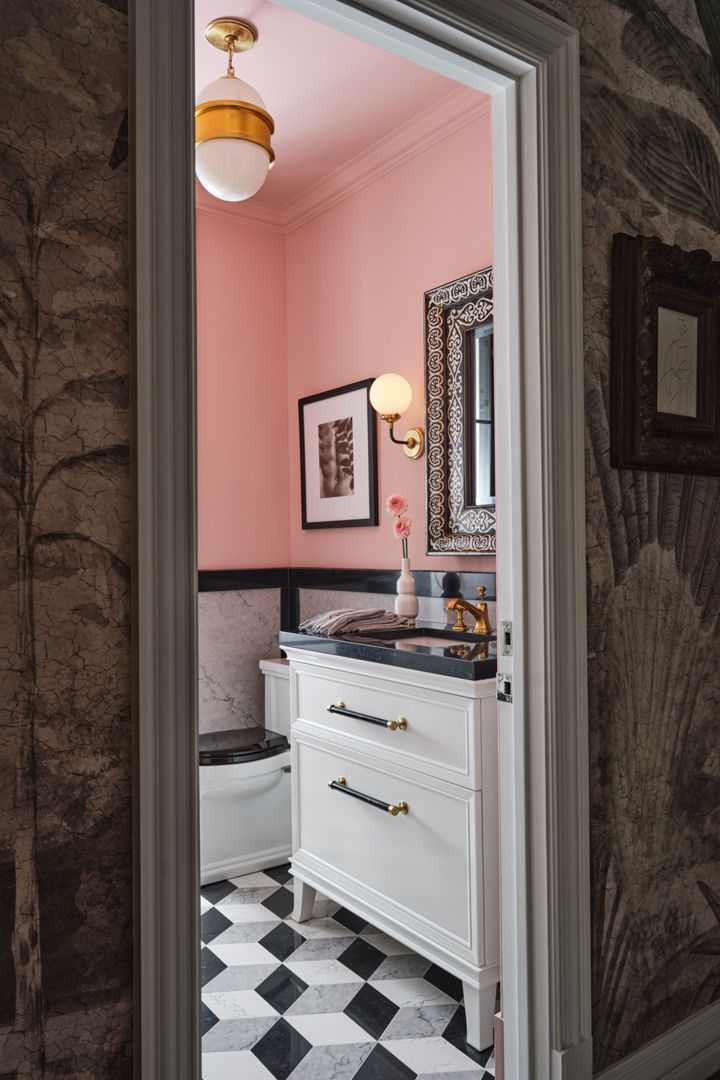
<point x="479" y="1014"/>
<point x="304" y="900"/>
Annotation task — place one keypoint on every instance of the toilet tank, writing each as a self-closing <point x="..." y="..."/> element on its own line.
<point x="277" y="695"/>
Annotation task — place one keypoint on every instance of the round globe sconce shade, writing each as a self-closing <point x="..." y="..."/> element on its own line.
<point x="390" y="395"/>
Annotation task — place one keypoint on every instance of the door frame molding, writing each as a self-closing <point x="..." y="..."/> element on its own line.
<point x="529" y="62"/>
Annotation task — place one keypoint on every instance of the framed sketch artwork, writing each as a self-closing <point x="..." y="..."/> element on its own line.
<point x="338" y="458"/>
<point x="665" y="371"/>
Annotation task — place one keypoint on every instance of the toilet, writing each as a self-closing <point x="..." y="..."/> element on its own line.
<point x="245" y="788"/>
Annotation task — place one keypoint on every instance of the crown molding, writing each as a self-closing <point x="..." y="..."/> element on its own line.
<point x="258" y="215"/>
<point x="439" y="121"/>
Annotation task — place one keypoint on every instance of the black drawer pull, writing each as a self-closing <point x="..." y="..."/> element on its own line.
<point x="390" y="808"/>
<point x="394" y="725"/>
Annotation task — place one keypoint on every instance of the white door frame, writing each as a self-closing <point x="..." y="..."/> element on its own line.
<point x="529" y="63"/>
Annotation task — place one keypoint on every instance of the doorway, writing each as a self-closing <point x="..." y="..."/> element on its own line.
<point x="543" y="756"/>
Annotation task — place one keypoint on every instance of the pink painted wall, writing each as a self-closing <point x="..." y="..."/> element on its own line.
<point x="338" y="300"/>
<point x="356" y="276"/>
<point x="242" y="400"/>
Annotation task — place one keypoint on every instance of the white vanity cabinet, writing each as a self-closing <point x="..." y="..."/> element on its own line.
<point x="407" y="835"/>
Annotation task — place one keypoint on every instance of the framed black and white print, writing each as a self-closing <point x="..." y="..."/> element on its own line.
<point x="665" y="372"/>
<point x="338" y="458"/>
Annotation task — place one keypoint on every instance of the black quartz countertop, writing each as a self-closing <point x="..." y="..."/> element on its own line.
<point x="460" y="656"/>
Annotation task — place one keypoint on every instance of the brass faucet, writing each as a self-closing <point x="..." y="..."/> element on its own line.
<point x="480" y="613"/>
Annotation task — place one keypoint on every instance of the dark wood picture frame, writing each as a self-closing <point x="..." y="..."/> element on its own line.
<point x="453" y="312"/>
<point x="665" y="374"/>
<point x="339" y="487"/>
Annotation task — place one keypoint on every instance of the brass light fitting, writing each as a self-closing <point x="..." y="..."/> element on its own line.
<point x="235" y="111"/>
<point x="390" y="396"/>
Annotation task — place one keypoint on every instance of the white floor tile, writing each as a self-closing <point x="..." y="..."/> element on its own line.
<point x="322" y="972"/>
<point x="248" y="952"/>
<point x="237" y="1004"/>
<point x="328" y="1029"/>
<point x="232" y="1065"/>
<point x="318" y="928"/>
<point x="254" y="881"/>
<point x="411" y="992"/>
<point x="432" y="1056"/>
<point x="247" y="913"/>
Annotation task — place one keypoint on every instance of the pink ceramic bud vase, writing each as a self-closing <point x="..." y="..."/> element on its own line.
<point x="406" y="601"/>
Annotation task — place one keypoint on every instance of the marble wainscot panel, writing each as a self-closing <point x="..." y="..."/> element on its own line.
<point x="431" y="609"/>
<point x="235" y="631"/>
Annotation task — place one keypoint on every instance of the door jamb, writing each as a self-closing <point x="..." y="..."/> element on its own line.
<point x="529" y="62"/>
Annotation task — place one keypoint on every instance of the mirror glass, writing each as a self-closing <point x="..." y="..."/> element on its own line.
<point x="460" y="416"/>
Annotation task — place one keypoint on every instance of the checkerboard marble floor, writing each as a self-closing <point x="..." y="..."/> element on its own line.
<point x="332" y="998"/>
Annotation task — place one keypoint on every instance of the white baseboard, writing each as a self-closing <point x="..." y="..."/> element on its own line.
<point x="689" y="1051"/>
<point x="244" y="864"/>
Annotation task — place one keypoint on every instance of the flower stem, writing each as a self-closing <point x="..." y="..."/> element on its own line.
<point x="404" y="547"/>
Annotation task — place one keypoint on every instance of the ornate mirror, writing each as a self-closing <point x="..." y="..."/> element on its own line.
<point x="460" y="411"/>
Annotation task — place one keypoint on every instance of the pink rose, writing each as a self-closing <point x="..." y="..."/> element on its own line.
<point x="396" y="504"/>
<point x="401" y="528"/>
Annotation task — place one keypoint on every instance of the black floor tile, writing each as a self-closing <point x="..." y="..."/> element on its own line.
<point x="362" y="958"/>
<point x="371" y="1010"/>
<point x="281" y="874"/>
<point x="449" y="984"/>
<point x="382" y="1065"/>
<point x="282" y="941"/>
<point x="349" y="919"/>
<point x="280" y="903"/>
<point x="210" y="966"/>
<point x="212" y="923"/>
<point x="281" y="989"/>
<point x="281" y="1049"/>
<point x="455" y="1034"/>
<point x="208" y="1019"/>
<point x="217" y="891"/>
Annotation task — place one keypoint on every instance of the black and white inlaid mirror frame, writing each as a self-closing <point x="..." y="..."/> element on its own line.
<point x="461" y="516"/>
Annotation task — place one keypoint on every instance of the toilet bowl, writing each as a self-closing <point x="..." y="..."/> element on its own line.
<point x="245" y="789"/>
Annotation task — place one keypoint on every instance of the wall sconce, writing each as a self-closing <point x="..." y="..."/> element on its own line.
<point x="232" y="126"/>
<point x="390" y="396"/>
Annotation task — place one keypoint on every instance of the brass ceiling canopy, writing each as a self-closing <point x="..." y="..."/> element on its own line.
<point x="228" y="34"/>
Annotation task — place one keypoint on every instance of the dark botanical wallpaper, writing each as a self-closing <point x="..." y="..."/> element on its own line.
<point x="651" y="164"/>
<point x="651" y="149"/>
<point x="65" y="732"/>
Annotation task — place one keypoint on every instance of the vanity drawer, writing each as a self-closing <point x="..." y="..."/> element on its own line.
<point x="438" y="733"/>
<point x="418" y="864"/>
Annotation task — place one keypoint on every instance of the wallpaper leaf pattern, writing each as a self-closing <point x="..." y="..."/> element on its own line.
<point x="651" y="116"/>
<point x="65" y="913"/>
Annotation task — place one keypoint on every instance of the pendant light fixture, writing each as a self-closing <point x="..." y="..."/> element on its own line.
<point x="232" y="126"/>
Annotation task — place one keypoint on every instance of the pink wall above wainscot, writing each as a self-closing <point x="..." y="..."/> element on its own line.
<point x="242" y="396"/>
<point x="356" y="276"/>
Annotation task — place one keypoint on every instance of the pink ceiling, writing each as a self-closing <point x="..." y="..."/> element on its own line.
<point x="331" y="95"/>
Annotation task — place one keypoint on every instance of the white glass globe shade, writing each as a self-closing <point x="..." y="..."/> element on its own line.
<point x="231" y="169"/>
<point x="229" y="88"/>
<point x="390" y="394"/>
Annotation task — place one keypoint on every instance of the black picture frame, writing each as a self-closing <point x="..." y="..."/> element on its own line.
<point x="338" y="458"/>
<point x="665" y="374"/>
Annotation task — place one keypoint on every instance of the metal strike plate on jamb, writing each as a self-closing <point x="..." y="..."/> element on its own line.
<point x="504" y="687"/>
<point x="394" y="725"/>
